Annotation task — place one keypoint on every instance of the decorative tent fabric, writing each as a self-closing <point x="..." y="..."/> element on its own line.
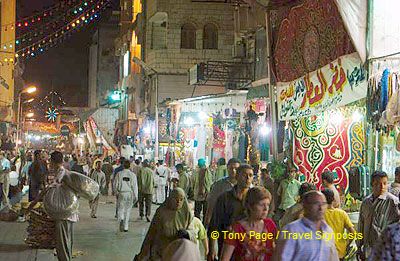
<point x="320" y="145"/>
<point x="309" y="36"/>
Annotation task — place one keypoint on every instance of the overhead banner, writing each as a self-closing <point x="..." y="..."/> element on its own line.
<point x="340" y="82"/>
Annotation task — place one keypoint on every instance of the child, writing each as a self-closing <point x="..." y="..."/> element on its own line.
<point x="200" y="231"/>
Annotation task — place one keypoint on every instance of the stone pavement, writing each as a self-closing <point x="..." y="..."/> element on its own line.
<point x="98" y="239"/>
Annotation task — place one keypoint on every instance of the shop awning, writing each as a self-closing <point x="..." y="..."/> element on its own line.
<point x="234" y="99"/>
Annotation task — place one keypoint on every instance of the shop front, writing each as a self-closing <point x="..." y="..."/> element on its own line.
<point x="209" y="127"/>
<point x="321" y="89"/>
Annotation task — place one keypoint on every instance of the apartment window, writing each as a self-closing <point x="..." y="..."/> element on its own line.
<point x="210" y="36"/>
<point x="188" y="36"/>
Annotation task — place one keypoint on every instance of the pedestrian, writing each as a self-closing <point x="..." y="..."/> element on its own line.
<point x="229" y="208"/>
<point x="201" y="187"/>
<point x="288" y="191"/>
<point x="5" y="167"/>
<point x="97" y="175"/>
<point x="170" y="219"/>
<point x="114" y="178"/>
<point x="200" y="232"/>
<point x="184" y="180"/>
<point x="328" y="179"/>
<point x="37" y="175"/>
<point x="221" y="170"/>
<point x="73" y="161"/>
<point x="119" y="168"/>
<point x="314" y="246"/>
<point x="338" y="220"/>
<point x="181" y="250"/>
<point x="64" y="227"/>
<point x="135" y="167"/>
<point x="78" y="166"/>
<point x="388" y="246"/>
<point x="267" y="182"/>
<point x="108" y="171"/>
<point x="377" y="211"/>
<point x="220" y="187"/>
<point x="395" y="186"/>
<point x="66" y="164"/>
<point x="146" y="189"/>
<point x="296" y="211"/>
<point x="126" y="187"/>
<point x="251" y="248"/>
<point x="162" y="172"/>
<point x="24" y="175"/>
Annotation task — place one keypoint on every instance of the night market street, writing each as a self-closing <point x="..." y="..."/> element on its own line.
<point x="96" y="238"/>
<point x="239" y="130"/>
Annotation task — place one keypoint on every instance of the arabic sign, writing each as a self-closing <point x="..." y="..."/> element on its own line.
<point x="339" y="83"/>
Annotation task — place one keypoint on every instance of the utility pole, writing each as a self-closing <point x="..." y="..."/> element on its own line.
<point x="272" y="92"/>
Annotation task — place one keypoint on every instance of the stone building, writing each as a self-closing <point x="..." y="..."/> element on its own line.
<point x="103" y="65"/>
<point x="182" y="33"/>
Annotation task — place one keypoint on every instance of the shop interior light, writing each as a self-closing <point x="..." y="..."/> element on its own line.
<point x="336" y="118"/>
<point x="265" y="130"/>
<point x="203" y="115"/>
<point x="147" y="130"/>
<point x="189" y="121"/>
<point x="81" y="140"/>
<point x="37" y="138"/>
<point x="357" y="116"/>
<point x="19" y="142"/>
<point x="30" y="115"/>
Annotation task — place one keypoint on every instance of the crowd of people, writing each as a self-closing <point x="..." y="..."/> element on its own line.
<point x="227" y="212"/>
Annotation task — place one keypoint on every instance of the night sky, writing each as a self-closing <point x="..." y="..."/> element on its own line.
<point x="63" y="68"/>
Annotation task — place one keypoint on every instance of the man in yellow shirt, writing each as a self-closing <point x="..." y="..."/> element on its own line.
<point x="338" y="220"/>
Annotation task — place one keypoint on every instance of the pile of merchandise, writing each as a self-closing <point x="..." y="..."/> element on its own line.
<point x="41" y="229"/>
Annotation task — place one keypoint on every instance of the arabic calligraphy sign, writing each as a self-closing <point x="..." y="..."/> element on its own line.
<point x="341" y="82"/>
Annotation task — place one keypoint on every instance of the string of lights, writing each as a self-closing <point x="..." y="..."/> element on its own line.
<point x="55" y="23"/>
<point x="57" y="36"/>
<point x="38" y="17"/>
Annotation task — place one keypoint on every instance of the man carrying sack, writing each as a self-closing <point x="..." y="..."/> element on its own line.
<point x="64" y="227"/>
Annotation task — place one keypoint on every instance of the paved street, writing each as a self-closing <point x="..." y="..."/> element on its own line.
<point x="98" y="239"/>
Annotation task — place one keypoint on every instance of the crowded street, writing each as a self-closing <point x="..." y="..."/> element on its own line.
<point x="200" y="130"/>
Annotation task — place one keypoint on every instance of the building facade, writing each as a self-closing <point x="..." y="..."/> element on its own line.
<point x="103" y="65"/>
<point x="180" y="34"/>
<point x="7" y="59"/>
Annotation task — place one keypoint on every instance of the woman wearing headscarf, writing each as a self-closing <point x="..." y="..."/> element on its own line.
<point x="170" y="219"/>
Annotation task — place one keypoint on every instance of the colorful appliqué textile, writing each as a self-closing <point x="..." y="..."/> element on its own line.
<point x="321" y="144"/>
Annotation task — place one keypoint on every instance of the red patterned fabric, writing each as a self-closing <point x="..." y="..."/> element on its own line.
<point x="311" y="36"/>
<point x="321" y="145"/>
